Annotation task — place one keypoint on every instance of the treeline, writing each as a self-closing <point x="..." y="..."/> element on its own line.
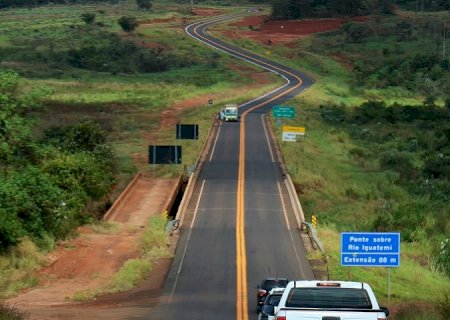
<point x="34" y="3"/>
<point x="46" y="184"/>
<point x="296" y="9"/>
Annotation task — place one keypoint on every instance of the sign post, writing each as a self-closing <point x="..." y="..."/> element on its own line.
<point x="371" y="249"/>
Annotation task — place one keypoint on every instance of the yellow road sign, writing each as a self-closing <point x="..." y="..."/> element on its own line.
<point x="314" y="221"/>
<point x="296" y="130"/>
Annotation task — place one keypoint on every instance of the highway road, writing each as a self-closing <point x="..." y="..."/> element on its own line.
<point x="239" y="226"/>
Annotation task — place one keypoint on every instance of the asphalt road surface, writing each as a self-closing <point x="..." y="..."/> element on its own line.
<point x="239" y="226"/>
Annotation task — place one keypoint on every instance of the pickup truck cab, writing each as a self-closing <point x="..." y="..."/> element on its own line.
<point x="329" y="300"/>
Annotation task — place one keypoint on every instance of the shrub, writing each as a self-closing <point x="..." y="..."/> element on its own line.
<point x="10" y="229"/>
<point x="356" y="32"/>
<point x="437" y="166"/>
<point x="8" y="312"/>
<point x="442" y="257"/>
<point x="370" y="111"/>
<point x="144" y="4"/>
<point x="128" y="24"/>
<point x="400" y="162"/>
<point x="414" y="219"/>
<point x="88" y="18"/>
<point x="81" y="173"/>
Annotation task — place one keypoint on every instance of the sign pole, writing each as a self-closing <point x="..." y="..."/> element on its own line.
<point x="389" y="283"/>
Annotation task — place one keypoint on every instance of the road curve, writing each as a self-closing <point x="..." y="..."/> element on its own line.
<point x="239" y="226"/>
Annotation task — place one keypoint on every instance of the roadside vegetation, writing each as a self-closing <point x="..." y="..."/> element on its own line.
<point x="81" y="99"/>
<point x="153" y="246"/>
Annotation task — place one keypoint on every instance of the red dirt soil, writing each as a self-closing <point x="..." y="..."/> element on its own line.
<point x="89" y="262"/>
<point x="282" y="32"/>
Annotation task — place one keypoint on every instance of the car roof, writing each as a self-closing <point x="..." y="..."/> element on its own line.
<point x="277" y="291"/>
<point x="277" y="278"/>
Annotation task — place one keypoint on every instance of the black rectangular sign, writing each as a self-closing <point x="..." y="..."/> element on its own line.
<point x="187" y="131"/>
<point x="164" y="154"/>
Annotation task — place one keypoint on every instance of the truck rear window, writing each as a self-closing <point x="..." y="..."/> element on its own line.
<point x="331" y="298"/>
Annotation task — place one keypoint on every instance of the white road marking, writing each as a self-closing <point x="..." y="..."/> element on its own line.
<point x="187" y="242"/>
<point x="267" y="138"/>
<point x="289" y="230"/>
<point x="214" y="145"/>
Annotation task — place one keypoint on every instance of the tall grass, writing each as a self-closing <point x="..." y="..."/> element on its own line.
<point x="153" y="245"/>
<point x="17" y="267"/>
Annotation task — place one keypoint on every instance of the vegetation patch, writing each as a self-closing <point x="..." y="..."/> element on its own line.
<point x="8" y="312"/>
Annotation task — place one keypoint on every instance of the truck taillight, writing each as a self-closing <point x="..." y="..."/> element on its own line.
<point x="280" y="318"/>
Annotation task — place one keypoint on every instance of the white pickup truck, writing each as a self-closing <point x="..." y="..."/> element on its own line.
<point x="328" y="300"/>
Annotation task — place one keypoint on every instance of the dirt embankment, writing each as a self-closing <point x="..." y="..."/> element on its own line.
<point x="269" y="32"/>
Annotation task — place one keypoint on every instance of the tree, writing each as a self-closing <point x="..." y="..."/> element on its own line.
<point x="15" y="120"/>
<point x="128" y="24"/>
<point x="144" y="4"/>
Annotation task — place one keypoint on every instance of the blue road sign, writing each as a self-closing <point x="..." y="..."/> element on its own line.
<point x="370" y="249"/>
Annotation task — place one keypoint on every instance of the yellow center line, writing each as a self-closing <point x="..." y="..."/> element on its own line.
<point x="241" y="255"/>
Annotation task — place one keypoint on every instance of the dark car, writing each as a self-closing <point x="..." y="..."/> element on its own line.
<point x="264" y="288"/>
<point x="272" y="300"/>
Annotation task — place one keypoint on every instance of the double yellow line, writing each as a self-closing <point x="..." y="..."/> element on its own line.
<point x="241" y="255"/>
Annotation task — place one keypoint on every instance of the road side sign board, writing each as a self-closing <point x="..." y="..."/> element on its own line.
<point x="164" y="154"/>
<point x="187" y="131"/>
<point x="283" y="112"/>
<point x="290" y="133"/>
<point x="289" y="136"/>
<point x="297" y="130"/>
<point x="370" y="249"/>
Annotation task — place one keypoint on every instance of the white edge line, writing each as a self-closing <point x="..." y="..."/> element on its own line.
<point x="267" y="138"/>
<point x="187" y="242"/>
<point x="289" y="230"/>
<point x="214" y="145"/>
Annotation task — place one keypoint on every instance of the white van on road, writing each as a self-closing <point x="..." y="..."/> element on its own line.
<point x="229" y="113"/>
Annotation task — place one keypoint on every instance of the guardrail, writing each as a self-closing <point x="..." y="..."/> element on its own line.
<point x="295" y="201"/>
<point x="193" y="177"/>
<point x="121" y="197"/>
<point x="312" y="232"/>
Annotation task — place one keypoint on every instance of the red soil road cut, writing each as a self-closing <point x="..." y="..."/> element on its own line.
<point x="263" y="30"/>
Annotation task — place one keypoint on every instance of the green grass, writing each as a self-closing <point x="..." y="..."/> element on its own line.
<point x="153" y="247"/>
<point x="17" y="267"/>
<point x="405" y="280"/>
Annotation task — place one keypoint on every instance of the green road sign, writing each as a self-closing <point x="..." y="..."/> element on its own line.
<point x="283" y="112"/>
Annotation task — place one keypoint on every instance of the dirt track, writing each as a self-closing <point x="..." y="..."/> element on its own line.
<point x="89" y="262"/>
